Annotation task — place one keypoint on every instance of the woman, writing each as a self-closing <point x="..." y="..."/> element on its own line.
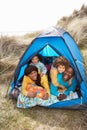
<point x="31" y="86"/>
<point x="32" y="98"/>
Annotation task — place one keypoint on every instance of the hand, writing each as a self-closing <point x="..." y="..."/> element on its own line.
<point x="62" y="90"/>
<point x="61" y="97"/>
<point x="62" y="87"/>
<point x="45" y="97"/>
<point x="41" y="74"/>
<point x="31" y="94"/>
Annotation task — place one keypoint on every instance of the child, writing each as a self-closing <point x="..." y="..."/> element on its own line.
<point x="36" y="62"/>
<point x="42" y="71"/>
<point x="59" y="66"/>
<point x="31" y="86"/>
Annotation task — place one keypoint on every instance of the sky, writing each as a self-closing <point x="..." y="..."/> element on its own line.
<point x="32" y="15"/>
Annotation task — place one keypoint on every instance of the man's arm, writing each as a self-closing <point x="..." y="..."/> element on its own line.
<point x="72" y="87"/>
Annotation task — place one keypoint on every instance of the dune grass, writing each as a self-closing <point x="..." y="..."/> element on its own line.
<point x="12" y="118"/>
<point x="38" y="118"/>
<point x="76" y="25"/>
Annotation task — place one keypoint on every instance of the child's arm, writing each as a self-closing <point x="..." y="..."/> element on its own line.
<point x="53" y="76"/>
<point x="43" y="68"/>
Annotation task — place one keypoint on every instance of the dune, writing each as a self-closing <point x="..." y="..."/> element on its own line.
<point x="11" y="50"/>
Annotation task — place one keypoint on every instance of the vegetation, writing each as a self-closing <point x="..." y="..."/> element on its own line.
<point x="76" y="25"/>
<point x="11" y="50"/>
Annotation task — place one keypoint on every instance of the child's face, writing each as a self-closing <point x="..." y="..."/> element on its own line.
<point x="33" y="75"/>
<point x="35" y="60"/>
<point x="61" y="68"/>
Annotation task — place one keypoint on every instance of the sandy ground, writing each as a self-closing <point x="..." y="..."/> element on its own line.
<point x="38" y="118"/>
<point x="12" y="118"/>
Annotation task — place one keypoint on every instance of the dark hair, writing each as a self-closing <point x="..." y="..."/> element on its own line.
<point x="71" y="70"/>
<point x="61" y="61"/>
<point x="31" y="68"/>
<point x="40" y="57"/>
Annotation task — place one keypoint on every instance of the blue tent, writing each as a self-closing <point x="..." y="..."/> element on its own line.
<point x="56" y="42"/>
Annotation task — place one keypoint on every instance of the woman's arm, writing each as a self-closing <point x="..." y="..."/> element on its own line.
<point x="24" y="84"/>
<point x="31" y="94"/>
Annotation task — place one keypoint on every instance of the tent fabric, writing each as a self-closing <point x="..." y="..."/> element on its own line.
<point x="55" y="42"/>
<point x="53" y="31"/>
<point x="48" y="51"/>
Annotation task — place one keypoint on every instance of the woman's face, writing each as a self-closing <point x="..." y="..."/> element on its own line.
<point x="61" y="68"/>
<point x="33" y="75"/>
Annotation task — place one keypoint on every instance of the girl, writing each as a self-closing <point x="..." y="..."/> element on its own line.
<point x="36" y="62"/>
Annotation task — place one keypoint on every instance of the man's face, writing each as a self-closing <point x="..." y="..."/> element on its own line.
<point x="68" y="74"/>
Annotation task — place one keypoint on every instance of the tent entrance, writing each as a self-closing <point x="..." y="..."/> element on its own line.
<point x="48" y="51"/>
<point x="49" y="55"/>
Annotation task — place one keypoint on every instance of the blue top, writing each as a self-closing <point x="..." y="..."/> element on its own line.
<point x="72" y="87"/>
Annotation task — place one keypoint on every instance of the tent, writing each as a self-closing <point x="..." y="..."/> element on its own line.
<point x="52" y="43"/>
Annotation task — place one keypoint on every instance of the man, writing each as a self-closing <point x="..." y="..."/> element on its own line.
<point x="63" y="79"/>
